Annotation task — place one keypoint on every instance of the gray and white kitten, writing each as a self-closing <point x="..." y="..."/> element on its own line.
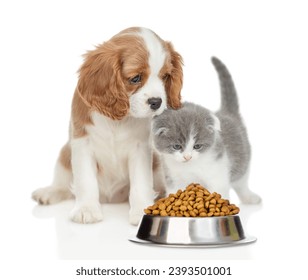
<point x="199" y="146"/>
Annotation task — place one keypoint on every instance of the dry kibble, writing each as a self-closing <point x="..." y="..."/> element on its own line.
<point x="225" y="209"/>
<point x="163" y="213"/>
<point x="200" y="194"/>
<point x="192" y="214"/>
<point x="178" y="202"/>
<point x="200" y="205"/>
<point x="213" y="201"/>
<point x="147" y="211"/>
<point x="162" y="206"/>
<point x="206" y="192"/>
<point x="186" y="214"/>
<point x="194" y="201"/>
<point x="207" y="204"/>
<point x="153" y="207"/>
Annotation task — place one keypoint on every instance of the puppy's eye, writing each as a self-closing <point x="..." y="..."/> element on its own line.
<point x="177" y="147"/>
<point x="135" y="80"/>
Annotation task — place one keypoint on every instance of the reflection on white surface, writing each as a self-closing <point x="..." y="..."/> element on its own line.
<point x="109" y="238"/>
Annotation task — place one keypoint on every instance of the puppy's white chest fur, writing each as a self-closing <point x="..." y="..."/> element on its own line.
<point x="114" y="144"/>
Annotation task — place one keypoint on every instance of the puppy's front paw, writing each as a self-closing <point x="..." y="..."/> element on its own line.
<point x="51" y="195"/>
<point x="134" y="217"/>
<point x="87" y="213"/>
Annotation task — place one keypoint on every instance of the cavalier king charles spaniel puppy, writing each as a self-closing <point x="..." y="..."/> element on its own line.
<point x="122" y="84"/>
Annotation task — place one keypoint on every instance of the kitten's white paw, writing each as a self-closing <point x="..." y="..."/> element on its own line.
<point x="87" y="213"/>
<point x="251" y="198"/>
<point x="51" y="195"/>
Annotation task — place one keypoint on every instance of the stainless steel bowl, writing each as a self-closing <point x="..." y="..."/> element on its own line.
<point x="222" y="230"/>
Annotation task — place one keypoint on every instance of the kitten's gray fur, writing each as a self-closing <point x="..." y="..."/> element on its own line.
<point x="222" y="134"/>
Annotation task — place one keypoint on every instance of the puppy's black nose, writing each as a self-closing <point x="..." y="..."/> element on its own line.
<point x="154" y="103"/>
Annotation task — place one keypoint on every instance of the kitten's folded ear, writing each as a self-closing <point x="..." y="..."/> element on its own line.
<point x="161" y="131"/>
<point x="216" y="126"/>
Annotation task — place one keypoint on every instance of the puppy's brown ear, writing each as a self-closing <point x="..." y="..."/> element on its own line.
<point x="174" y="82"/>
<point x="100" y="83"/>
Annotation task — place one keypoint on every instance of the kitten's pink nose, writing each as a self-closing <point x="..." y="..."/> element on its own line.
<point x="187" y="157"/>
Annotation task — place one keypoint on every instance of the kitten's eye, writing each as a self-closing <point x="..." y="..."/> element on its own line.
<point x="135" y="80"/>
<point x="197" y="147"/>
<point x="177" y="147"/>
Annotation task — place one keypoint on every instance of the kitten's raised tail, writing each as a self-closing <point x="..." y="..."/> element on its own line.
<point x="229" y="101"/>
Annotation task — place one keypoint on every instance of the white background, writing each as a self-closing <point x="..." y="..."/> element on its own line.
<point x="264" y="45"/>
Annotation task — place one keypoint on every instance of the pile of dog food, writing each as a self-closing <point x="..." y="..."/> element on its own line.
<point x="194" y="201"/>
